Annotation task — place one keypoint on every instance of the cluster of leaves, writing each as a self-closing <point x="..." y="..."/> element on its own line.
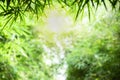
<point x="96" y="56"/>
<point x="7" y="72"/>
<point x="19" y="7"/>
<point x="21" y="55"/>
<point x="13" y="9"/>
<point x="80" y="5"/>
<point x="16" y="9"/>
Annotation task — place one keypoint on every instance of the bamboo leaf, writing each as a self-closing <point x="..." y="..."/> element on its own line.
<point x="104" y="4"/>
<point x="9" y="19"/>
<point x="98" y="2"/>
<point x="8" y="3"/>
<point x="85" y="3"/>
<point x="2" y="7"/>
<point x="88" y="10"/>
<point x="79" y="9"/>
<point x="74" y="2"/>
<point x="92" y="3"/>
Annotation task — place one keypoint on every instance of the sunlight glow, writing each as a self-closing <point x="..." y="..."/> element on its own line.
<point x="57" y="21"/>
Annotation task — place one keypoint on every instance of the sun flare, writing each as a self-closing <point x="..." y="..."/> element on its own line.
<point x="57" y="21"/>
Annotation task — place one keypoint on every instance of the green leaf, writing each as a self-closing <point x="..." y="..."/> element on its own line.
<point x="8" y="3"/>
<point x="104" y="4"/>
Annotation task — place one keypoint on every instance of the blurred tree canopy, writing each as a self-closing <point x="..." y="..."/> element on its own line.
<point x="17" y="8"/>
<point x="91" y="50"/>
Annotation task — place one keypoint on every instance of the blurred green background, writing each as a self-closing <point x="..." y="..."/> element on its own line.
<point x="62" y="42"/>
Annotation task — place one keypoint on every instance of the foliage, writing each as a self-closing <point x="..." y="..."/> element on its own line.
<point x="96" y="56"/>
<point x="91" y="50"/>
<point x="14" y="9"/>
<point x="7" y="72"/>
<point x="21" y="55"/>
